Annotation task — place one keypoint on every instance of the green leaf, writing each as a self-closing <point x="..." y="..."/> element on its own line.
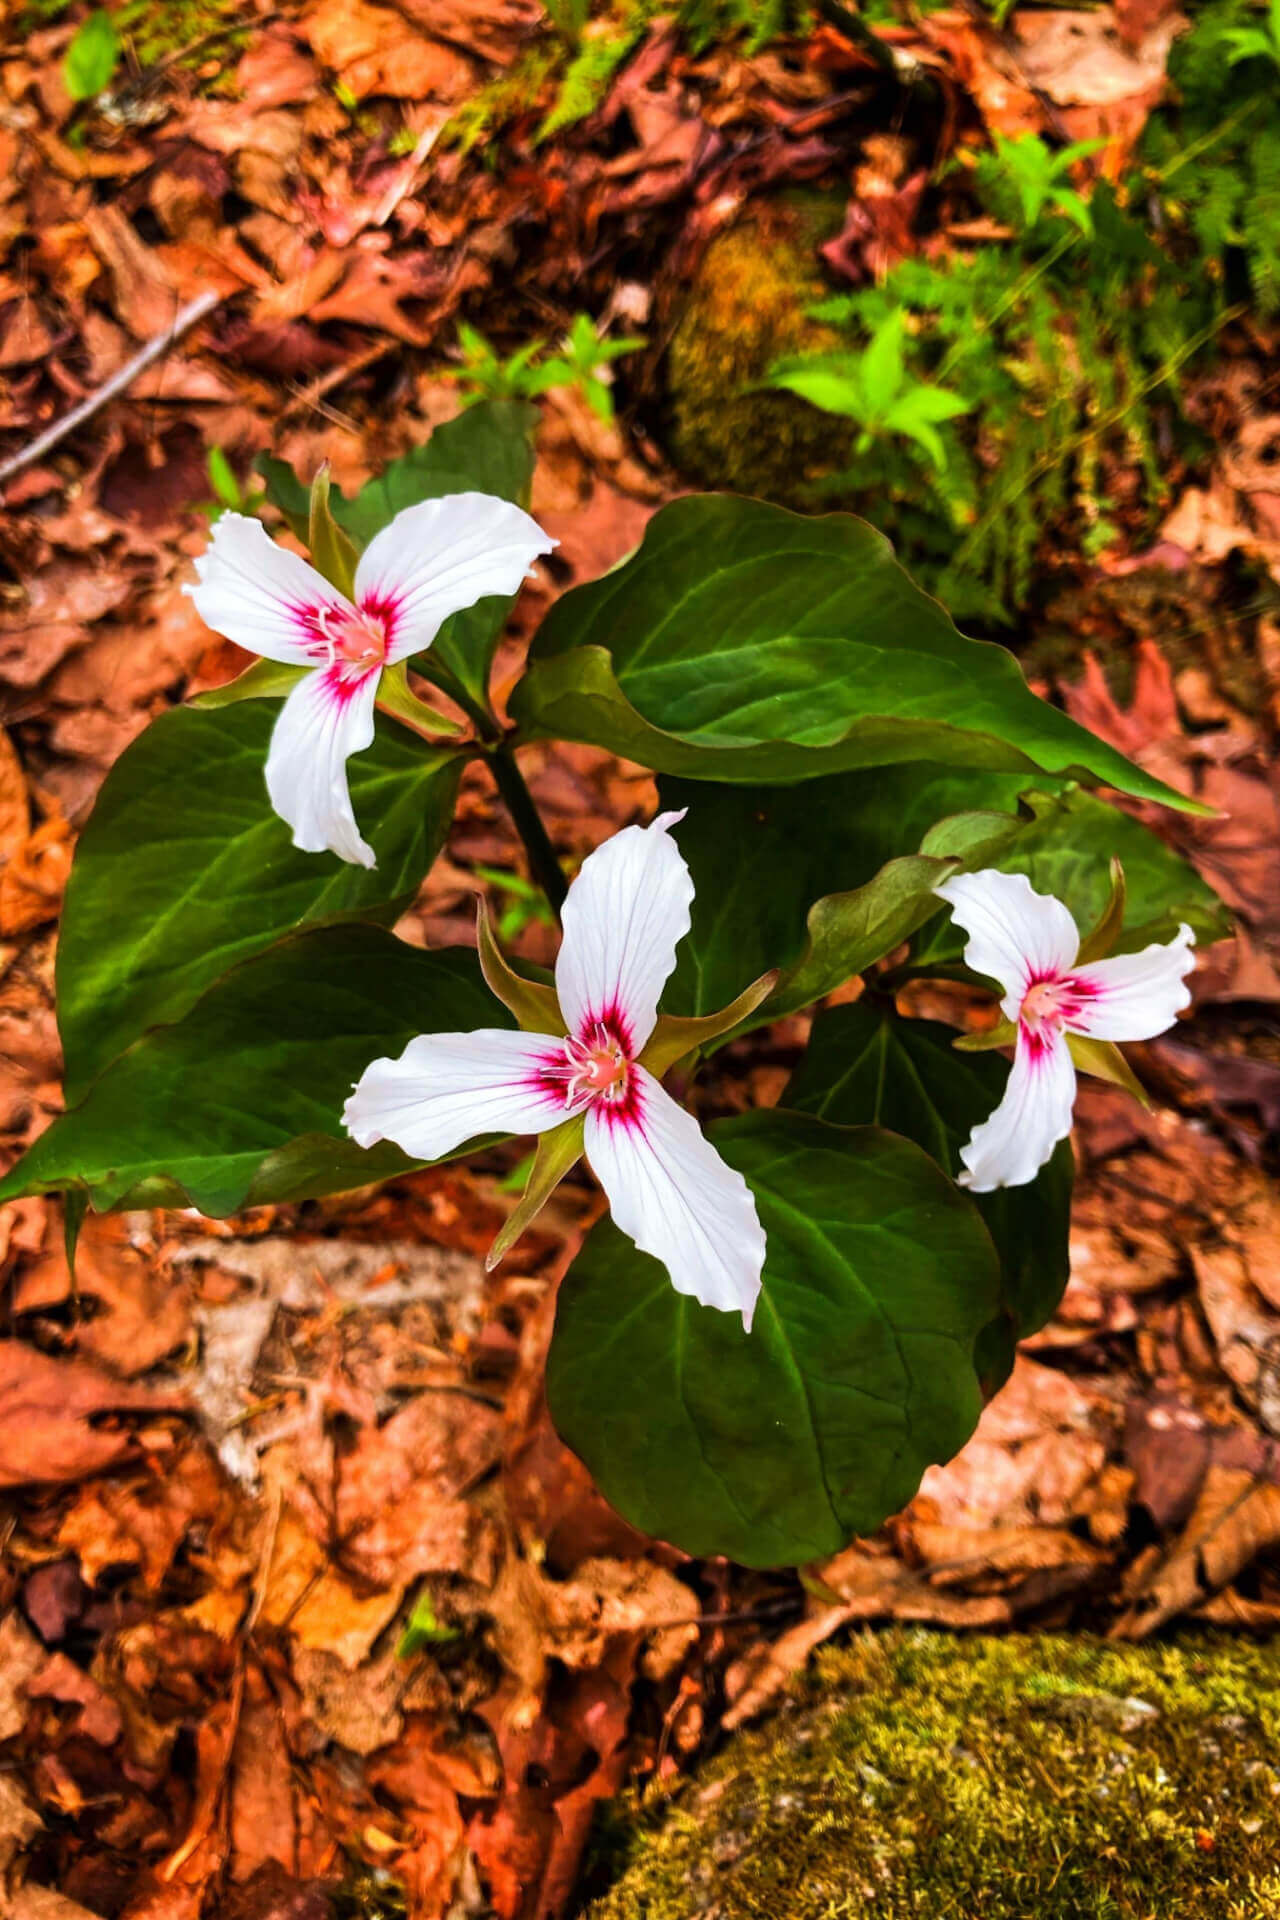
<point x="883" y="363"/>
<point x="333" y="551"/>
<point x="240" y="1102"/>
<point x="91" y="57"/>
<point x="776" y="1446"/>
<point x="534" y="1004"/>
<point x="864" y="1065"/>
<point x="487" y="449"/>
<point x="674" y="1037"/>
<point x="820" y="880"/>
<point x="184" y="870"/>
<point x="264" y="680"/>
<point x="223" y="480"/>
<point x="1066" y="849"/>
<point x="558" y="1151"/>
<point x="743" y="642"/>
<point x="830" y="381"/>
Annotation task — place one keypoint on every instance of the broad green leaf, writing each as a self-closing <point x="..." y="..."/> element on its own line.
<point x="865" y="1066"/>
<point x="241" y="1101"/>
<point x="1066" y="849"/>
<point x="91" y="57"/>
<point x="742" y="642"/>
<point x="776" y="1446"/>
<point x="811" y="878"/>
<point x="487" y="449"/>
<point x="830" y="381"/>
<point x="184" y="870"/>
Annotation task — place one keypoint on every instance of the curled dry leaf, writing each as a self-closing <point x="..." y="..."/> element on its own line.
<point x="53" y="1416"/>
<point x="1039" y="1447"/>
<point x="34" y="878"/>
<point x="1245" y="1329"/>
<point x="125" y="1309"/>
<point x="374" y="50"/>
<point x="15" y="810"/>
<point x="1236" y="1518"/>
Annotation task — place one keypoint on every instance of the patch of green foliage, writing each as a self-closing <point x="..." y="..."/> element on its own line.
<point x="583" y="361"/>
<point x="180" y="33"/>
<point x="1026" y="372"/>
<point x="918" y="1775"/>
<point x="586" y="45"/>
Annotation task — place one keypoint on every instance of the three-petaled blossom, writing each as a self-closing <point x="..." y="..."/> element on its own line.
<point x="1029" y="943"/>
<point x="667" y="1186"/>
<point x="430" y="561"/>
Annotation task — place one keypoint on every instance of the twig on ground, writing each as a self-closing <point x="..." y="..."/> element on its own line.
<point x="185" y="318"/>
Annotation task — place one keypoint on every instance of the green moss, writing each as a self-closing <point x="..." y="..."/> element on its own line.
<point x="942" y="1778"/>
<point x="748" y="306"/>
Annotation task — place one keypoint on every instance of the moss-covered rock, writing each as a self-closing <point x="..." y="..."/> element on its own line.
<point x="748" y="306"/>
<point x="1021" y="1778"/>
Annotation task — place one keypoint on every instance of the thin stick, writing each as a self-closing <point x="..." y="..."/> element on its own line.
<point x="185" y="318"/>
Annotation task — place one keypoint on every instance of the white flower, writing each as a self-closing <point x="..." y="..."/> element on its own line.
<point x="1029" y="943"/>
<point x="667" y="1186"/>
<point x="432" y="560"/>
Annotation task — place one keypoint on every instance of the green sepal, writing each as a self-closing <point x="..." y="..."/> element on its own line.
<point x="1002" y="1035"/>
<point x="333" y="552"/>
<point x="264" y="680"/>
<point x="1102" y="937"/>
<point x="557" y="1151"/>
<point x="674" y="1036"/>
<point x="1104" y="1060"/>
<point x="395" y="698"/>
<point x="536" y="1008"/>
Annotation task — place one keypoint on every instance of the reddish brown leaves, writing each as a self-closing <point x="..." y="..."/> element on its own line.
<point x="63" y="1419"/>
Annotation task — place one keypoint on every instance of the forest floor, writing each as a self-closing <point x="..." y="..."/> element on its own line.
<point x="304" y="1610"/>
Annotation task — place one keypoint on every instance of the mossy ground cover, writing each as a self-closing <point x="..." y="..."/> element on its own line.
<point x="1019" y="1778"/>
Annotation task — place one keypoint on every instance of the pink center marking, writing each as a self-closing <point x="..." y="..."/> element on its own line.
<point x="357" y="640"/>
<point x="595" y="1072"/>
<point x="1057" y="1000"/>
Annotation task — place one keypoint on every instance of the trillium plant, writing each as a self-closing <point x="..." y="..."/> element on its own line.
<point x="785" y="1315"/>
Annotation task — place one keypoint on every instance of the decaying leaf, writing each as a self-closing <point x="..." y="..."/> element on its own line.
<point x="63" y="1419"/>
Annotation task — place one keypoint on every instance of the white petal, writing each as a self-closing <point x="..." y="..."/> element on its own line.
<point x="626" y="912"/>
<point x="259" y="594"/>
<point x="1016" y="935"/>
<point x="1134" y="996"/>
<point x="1011" y="1147"/>
<point x="323" y="721"/>
<point x="440" y="556"/>
<point x="449" y="1087"/>
<point x="670" y="1190"/>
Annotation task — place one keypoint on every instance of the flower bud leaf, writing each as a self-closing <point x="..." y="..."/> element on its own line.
<point x="333" y="552"/>
<point x="535" y="1006"/>
<point x="1003" y="1034"/>
<point x="264" y="680"/>
<point x="557" y="1152"/>
<point x="1104" y="1060"/>
<point x="396" y="698"/>
<point x="1102" y="937"/>
<point x="674" y="1037"/>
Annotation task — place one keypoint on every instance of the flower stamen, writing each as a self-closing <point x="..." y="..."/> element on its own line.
<point x="358" y="640"/>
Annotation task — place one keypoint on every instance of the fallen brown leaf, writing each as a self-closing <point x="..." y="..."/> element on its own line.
<point x="50" y="1412"/>
<point x="1235" y="1519"/>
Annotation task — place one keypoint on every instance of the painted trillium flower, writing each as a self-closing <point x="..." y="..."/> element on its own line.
<point x="586" y="1078"/>
<point x="1063" y="1008"/>
<point x="432" y="560"/>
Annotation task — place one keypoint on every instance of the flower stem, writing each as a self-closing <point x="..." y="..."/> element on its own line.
<point x="527" y="821"/>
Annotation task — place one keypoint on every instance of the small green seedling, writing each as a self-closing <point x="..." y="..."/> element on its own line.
<point x="92" y="57"/>
<point x="875" y="388"/>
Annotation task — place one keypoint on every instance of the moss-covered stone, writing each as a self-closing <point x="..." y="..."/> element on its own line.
<point x="1020" y="1778"/>
<point x="748" y="306"/>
